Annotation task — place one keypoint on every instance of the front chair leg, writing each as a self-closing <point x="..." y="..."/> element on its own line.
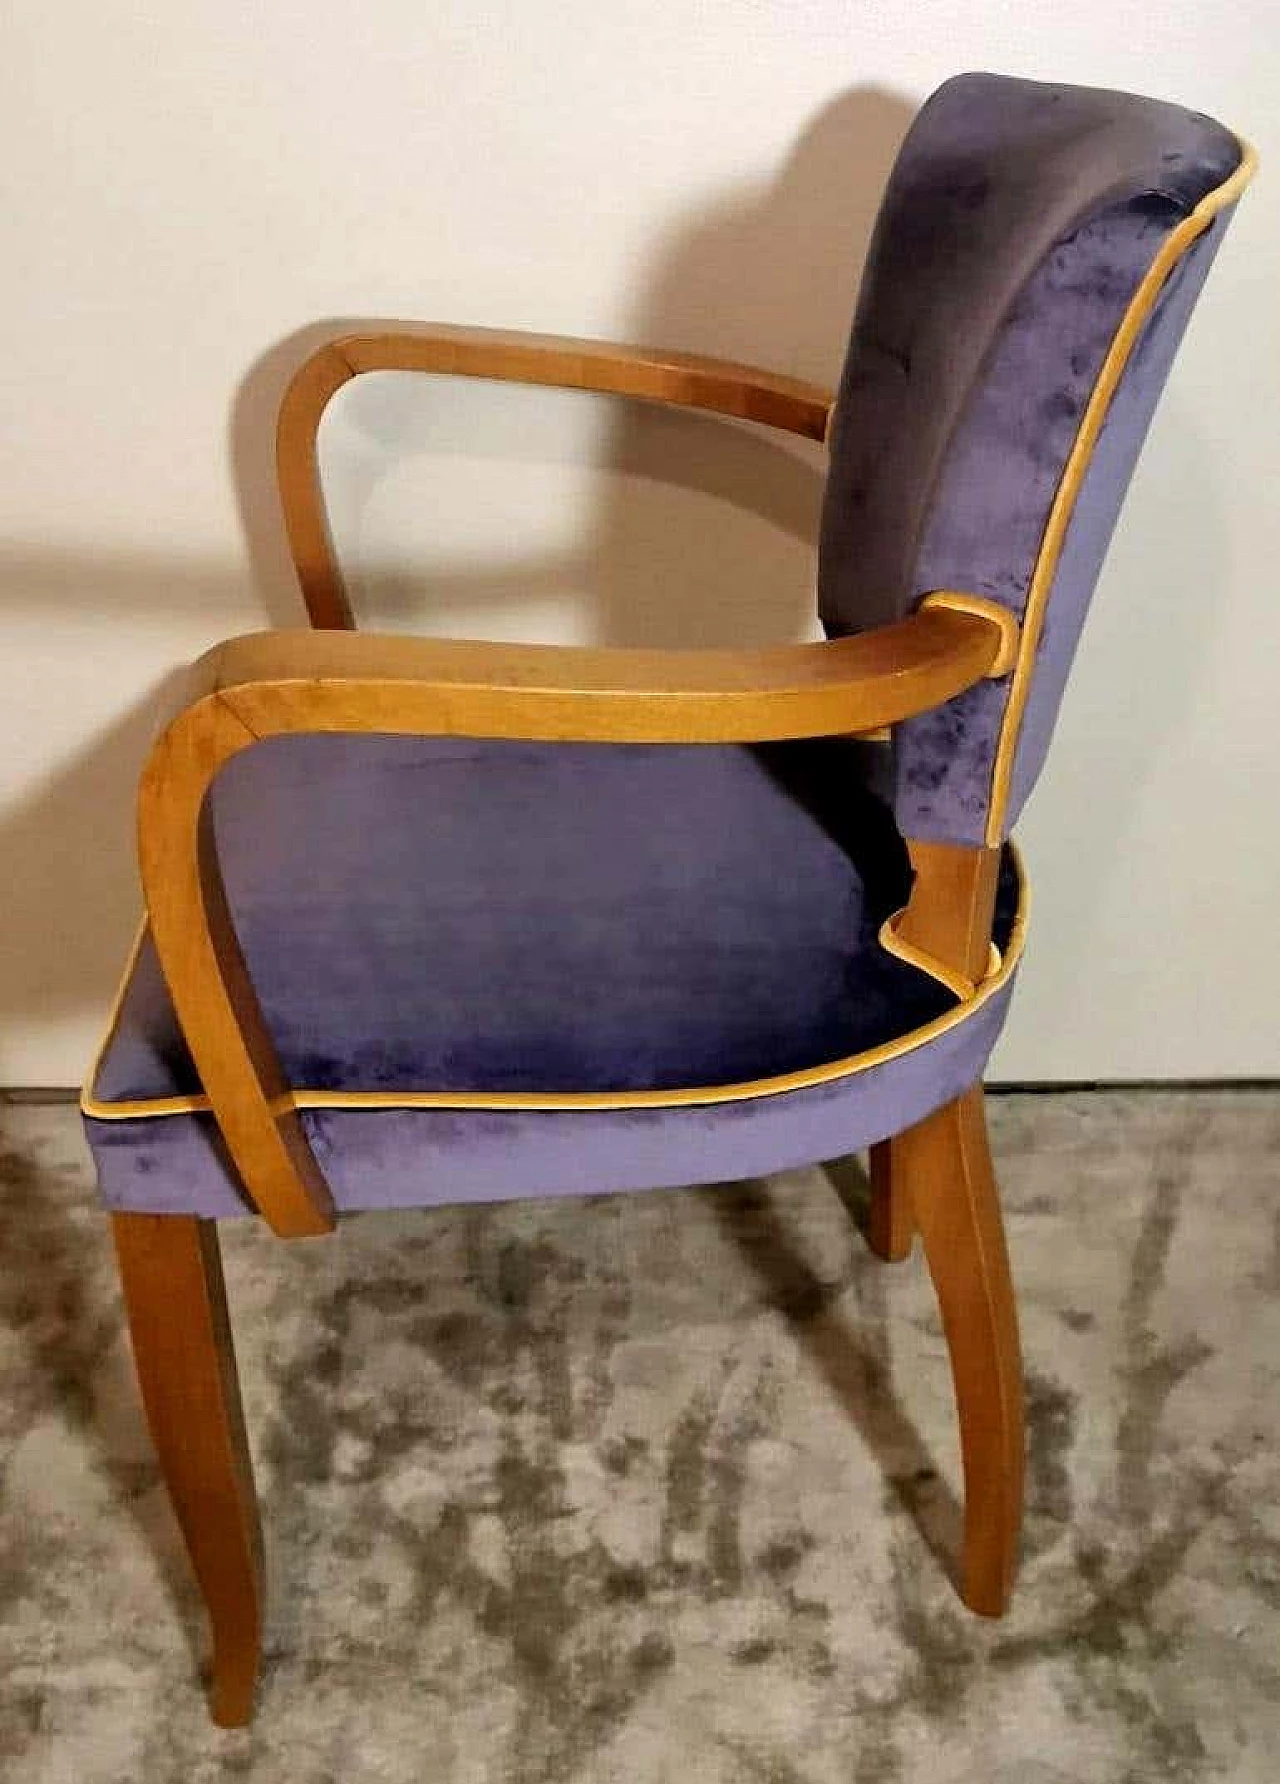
<point x="171" y="1270"/>
<point x="946" y="1162"/>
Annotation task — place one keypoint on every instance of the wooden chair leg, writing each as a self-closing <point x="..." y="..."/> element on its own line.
<point x="171" y="1269"/>
<point x="946" y="1163"/>
<point x="891" y="1226"/>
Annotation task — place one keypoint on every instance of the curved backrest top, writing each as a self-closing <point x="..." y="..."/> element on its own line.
<point x="1030" y="235"/>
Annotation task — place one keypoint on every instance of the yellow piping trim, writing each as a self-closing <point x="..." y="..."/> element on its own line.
<point x="88" y="1103"/>
<point x="982" y="608"/>
<point x="892" y="943"/>
<point x="1140" y="307"/>
<point x="1002" y="969"/>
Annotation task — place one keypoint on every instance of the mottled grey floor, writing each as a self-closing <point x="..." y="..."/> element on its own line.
<point x="650" y="1489"/>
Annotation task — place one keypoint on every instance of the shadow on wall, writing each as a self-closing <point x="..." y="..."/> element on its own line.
<point x="71" y="899"/>
<point x="768" y="275"/>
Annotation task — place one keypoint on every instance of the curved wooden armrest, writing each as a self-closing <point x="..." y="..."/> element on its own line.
<point x="279" y="682"/>
<point x="688" y="380"/>
<point x="353" y="681"/>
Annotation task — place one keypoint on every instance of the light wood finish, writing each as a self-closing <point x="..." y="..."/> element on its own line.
<point x="936" y="1178"/>
<point x="206" y="974"/>
<point x="985" y="608"/>
<point x="946" y="1161"/>
<point x="891" y="1227"/>
<point x="684" y="379"/>
<point x="174" y="1295"/>
<point x="952" y="905"/>
<point x="947" y="920"/>
<point x="326" y="681"/>
<point x="280" y="682"/>
<point x="1141" y="305"/>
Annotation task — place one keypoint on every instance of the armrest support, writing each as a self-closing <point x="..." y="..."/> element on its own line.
<point x="687" y="380"/>
<point x="274" y="683"/>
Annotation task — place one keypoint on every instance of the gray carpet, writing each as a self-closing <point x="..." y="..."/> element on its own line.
<point x="662" y="1488"/>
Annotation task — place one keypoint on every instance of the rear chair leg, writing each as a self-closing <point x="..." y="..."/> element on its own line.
<point x="946" y="1162"/>
<point x="171" y="1270"/>
<point x="891" y="1227"/>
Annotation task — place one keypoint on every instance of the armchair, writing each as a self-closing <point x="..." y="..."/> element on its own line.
<point x="382" y="875"/>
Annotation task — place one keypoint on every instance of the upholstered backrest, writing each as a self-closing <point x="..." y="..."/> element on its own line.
<point x="1037" y="256"/>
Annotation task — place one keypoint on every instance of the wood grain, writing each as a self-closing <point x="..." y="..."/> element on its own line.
<point x="937" y="1178"/>
<point x="946" y="1161"/>
<point x="205" y="971"/>
<point x="685" y="380"/>
<point x="891" y="1228"/>
<point x="327" y="681"/>
<point x="171" y="1273"/>
<point x="949" y="917"/>
<point x="952" y="905"/>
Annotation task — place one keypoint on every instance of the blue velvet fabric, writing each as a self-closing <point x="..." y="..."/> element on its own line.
<point x="1018" y="223"/>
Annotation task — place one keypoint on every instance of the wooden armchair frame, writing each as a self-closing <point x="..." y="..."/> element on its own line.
<point x="936" y="1178"/>
<point x="269" y="684"/>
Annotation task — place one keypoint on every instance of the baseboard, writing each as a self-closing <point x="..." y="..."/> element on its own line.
<point x="1063" y="1086"/>
<point x="49" y="1095"/>
<point x="37" y="1094"/>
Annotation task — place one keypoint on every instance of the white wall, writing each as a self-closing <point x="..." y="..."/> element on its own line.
<point x="188" y="183"/>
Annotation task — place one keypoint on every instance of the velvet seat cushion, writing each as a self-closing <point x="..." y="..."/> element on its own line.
<point x="414" y="1157"/>
<point x="449" y="914"/>
<point x="428" y="915"/>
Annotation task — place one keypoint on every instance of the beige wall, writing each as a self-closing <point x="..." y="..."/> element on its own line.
<point x="186" y="186"/>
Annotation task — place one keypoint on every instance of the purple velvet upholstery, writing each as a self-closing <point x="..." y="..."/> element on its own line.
<point x="439" y="914"/>
<point x="1018" y="223"/>
<point x="407" y="1158"/>
<point x="448" y="915"/>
